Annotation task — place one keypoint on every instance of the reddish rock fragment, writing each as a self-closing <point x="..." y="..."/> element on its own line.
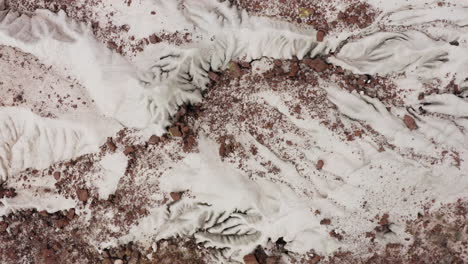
<point x="112" y="45"/>
<point x="189" y="143"/>
<point x="222" y="150"/>
<point x="111" y="145"/>
<point x="185" y="130"/>
<point x="7" y="193"/>
<point x="410" y="122"/>
<point x="250" y="259"/>
<point x="82" y="195"/>
<point x="325" y="221"/>
<point x="317" y="65"/>
<point x="320" y="35"/>
<point x="213" y="76"/>
<point x="57" y="175"/>
<point x="320" y="164"/>
<point x="61" y="223"/>
<point x="71" y="214"/>
<point x="293" y="69"/>
<point x="129" y="150"/>
<point x="153" y="140"/>
<point x="3" y="226"/>
<point x="43" y="213"/>
<point x="234" y="70"/>
<point x="315" y="260"/>
<point x="176" y="196"/>
<point x="154" y="39"/>
<point x="384" y="220"/>
<point x="175" y="131"/>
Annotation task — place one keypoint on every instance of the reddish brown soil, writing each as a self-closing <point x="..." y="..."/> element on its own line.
<point x="322" y="15"/>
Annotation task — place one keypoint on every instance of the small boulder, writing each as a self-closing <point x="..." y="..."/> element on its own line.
<point x="82" y="195"/>
<point x="410" y="122"/>
<point x="250" y="259"/>
<point x="57" y="175"/>
<point x="176" y="196"/>
<point x="320" y="35"/>
<point x="320" y="164"/>
<point x="128" y="150"/>
<point x="154" y="39"/>
<point x="175" y="131"/>
<point x="317" y="64"/>
<point x="153" y="140"/>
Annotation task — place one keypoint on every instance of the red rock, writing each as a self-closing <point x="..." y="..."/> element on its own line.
<point x="325" y="221"/>
<point x="191" y="140"/>
<point x="154" y="39"/>
<point x="176" y="196"/>
<point x="57" y="175"/>
<point x="82" y="195"/>
<point x="185" y="130"/>
<point x="293" y="69"/>
<point x="409" y="122"/>
<point x="44" y="213"/>
<point x="8" y="193"/>
<point x="153" y="140"/>
<point x="250" y="259"/>
<point x="61" y="223"/>
<point x="213" y="76"/>
<point x="384" y="220"/>
<point x="317" y="65"/>
<point x="315" y="260"/>
<point x="111" y="145"/>
<point x="71" y="214"/>
<point x="260" y="255"/>
<point x="3" y="226"/>
<point x="222" y="150"/>
<point x="278" y="63"/>
<point x="320" y="35"/>
<point x="175" y="131"/>
<point x="320" y="164"/>
<point x="129" y="150"/>
<point x="189" y="143"/>
<point x="112" y="45"/>
<point x="234" y="70"/>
